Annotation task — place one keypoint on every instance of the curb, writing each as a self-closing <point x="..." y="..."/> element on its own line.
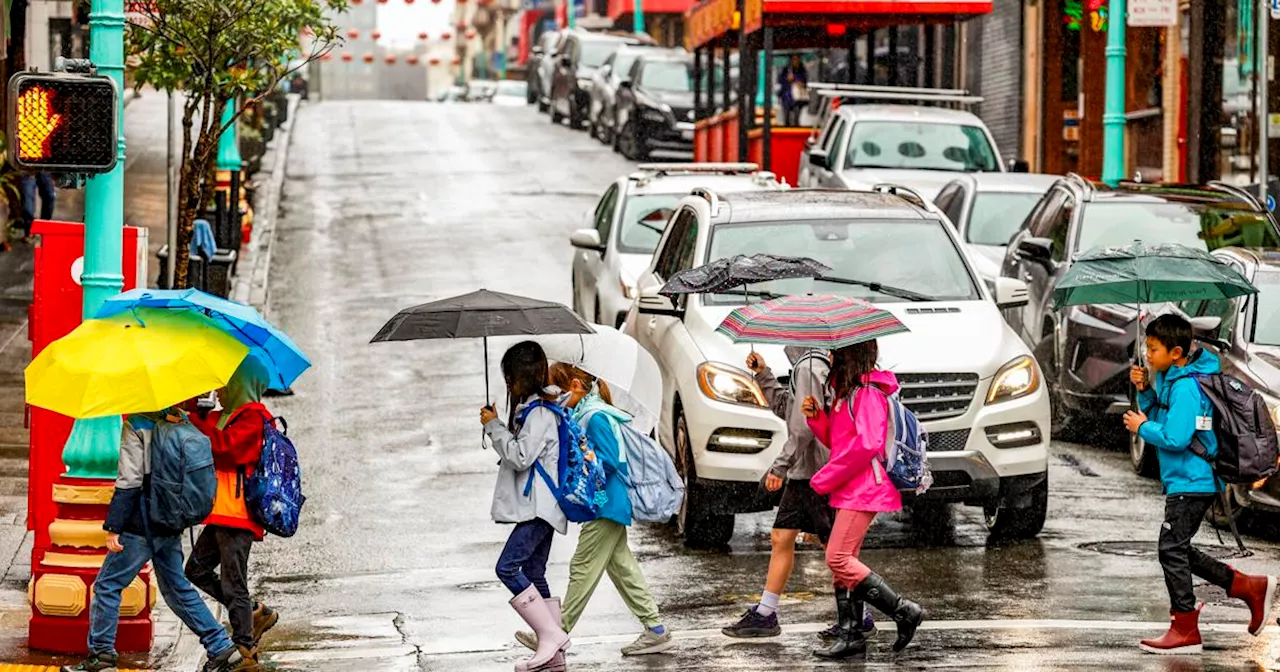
<point x="187" y="654"/>
<point x="253" y="286"/>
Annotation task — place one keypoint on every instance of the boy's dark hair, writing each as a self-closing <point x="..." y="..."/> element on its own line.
<point x="1172" y="331"/>
<point x="524" y="367"/>
<point x="850" y="364"/>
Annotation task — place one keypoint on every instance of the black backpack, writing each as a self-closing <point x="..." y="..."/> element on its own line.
<point x="1247" y="446"/>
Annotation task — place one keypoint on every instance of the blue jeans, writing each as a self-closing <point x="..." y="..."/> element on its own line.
<point x="28" y="185"/>
<point x="118" y="571"/>
<point x="524" y="559"/>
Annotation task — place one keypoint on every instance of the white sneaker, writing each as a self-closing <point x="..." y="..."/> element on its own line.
<point x="649" y="642"/>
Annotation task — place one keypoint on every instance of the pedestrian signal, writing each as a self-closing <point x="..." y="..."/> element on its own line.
<point x="62" y="122"/>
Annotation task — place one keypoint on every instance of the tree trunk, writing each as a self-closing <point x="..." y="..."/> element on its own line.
<point x="195" y="186"/>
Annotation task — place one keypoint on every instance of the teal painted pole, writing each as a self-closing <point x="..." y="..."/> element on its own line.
<point x="571" y="13"/>
<point x="637" y="18"/>
<point x="229" y="142"/>
<point x="94" y="445"/>
<point x="1113" y="117"/>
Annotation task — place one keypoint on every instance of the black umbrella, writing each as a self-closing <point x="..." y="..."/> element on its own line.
<point x="482" y="314"/>
<point x="740" y="270"/>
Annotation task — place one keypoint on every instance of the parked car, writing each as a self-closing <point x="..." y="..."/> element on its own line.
<point x="923" y="148"/>
<point x="616" y="242"/>
<point x="1245" y="334"/>
<point x="542" y="61"/>
<point x="988" y="208"/>
<point x="579" y="54"/>
<point x="1086" y="350"/>
<point x="655" y="105"/>
<point x="966" y="375"/>
<point x="510" y="93"/>
<point x="604" y="91"/>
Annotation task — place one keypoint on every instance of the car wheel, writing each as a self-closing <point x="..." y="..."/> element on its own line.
<point x="530" y="95"/>
<point x="556" y="117"/>
<point x="1222" y="517"/>
<point x="1007" y="522"/>
<point x="575" y="115"/>
<point x="1142" y="458"/>
<point x="615" y="138"/>
<point x="699" y="529"/>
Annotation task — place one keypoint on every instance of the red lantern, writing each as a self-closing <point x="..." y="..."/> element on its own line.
<point x="456" y="61"/>
<point x="435" y="1"/>
<point x="423" y="36"/>
<point x="462" y="25"/>
<point x="836" y="29"/>
<point x="412" y="60"/>
<point x="368" y="58"/>
<point x="391" y="59"/>
<point x="434" y="61"/>
<point x="377" y="34"/>
<point x="327" y="57"/>
<point x="346" y="58"/>
<point x="353" y="34"/>
<point x="356" y="2"/>
<point x="471" y="33"/>
<point x="445" y="35"/>
<point x="408" y="2"/>
<point x="382" y="2"/>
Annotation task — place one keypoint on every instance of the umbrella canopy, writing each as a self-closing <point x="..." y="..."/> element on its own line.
<point x="1148" y="273"/>
<point x="479" y="315"/>
<point x="616" y="358"/>
<point x="137" y="362"/>
<point x="815" y="321"/>
<point x="728" y="273"/>
<point x="284" y="359"/>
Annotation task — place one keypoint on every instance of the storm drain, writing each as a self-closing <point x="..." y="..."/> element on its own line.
<point x="1147" y="549"/>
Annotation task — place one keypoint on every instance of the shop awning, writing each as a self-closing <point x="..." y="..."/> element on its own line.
<point x="620" y="8"/>
<point x="716" y="20"/>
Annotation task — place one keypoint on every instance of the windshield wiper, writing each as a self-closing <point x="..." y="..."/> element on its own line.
<point x="750" y="292"/>
<point x="652" y="227"/>
<point x="889" y="290"/>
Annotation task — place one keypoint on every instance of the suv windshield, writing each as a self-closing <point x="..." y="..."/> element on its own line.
<point x="676" y="76"/>
<point x="920" y="146"/>
<point x="914" y="255"/>
<point x="643" y="220"/>
<point x="1200" y="225"/>
<point x="996" y="217"/>
<point x="622" y="64"/>
<point x="593" y="52"/>
<point x="1266" y="314"/>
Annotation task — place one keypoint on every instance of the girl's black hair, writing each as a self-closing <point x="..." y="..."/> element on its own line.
<point x="850" y="364"/>
<point x="524" y="367"/>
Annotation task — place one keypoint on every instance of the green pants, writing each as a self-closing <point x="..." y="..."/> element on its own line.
<point x="602" y="547"/>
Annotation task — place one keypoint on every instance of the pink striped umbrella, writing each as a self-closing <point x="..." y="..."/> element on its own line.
<point x="815" y="321"/>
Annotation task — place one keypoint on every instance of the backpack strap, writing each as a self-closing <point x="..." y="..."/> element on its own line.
<point x="561" y="417"/>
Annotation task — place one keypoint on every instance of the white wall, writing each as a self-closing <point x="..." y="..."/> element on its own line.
<point x="38" y="14"/>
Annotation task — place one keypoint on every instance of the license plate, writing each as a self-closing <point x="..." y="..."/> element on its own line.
<point x="687" y="135"/>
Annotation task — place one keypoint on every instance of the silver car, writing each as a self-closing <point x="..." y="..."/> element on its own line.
<point x="618" y="238"/>
<point x="988" y="208"/>
<point x="923" y="148"/>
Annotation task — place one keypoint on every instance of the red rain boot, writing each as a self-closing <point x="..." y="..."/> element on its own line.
<point x="1183" y="635"/>
<point x="1256" y="591"/>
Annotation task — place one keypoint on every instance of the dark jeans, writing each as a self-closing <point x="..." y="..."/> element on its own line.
<point x="791" y="114"/>
<point x="1179" y="559"/>
<point x="29" y="185"/>
<point x="524" y="558"/>
<point x="228" y="547"/>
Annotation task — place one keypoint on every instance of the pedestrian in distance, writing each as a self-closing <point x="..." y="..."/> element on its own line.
<point x="236" y="436"/>
<point x="857" y="481"/>
<point x="530" y="435"/>
<point x="29" y="184"/>
<point x="801" y="509"/>
<point x="793" y="90"/>
<point x="134" y="538"/>
<point x="602" y="543"/>
<point x="1174" y="412"/>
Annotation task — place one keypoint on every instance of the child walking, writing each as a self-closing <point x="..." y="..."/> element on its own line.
<point x="1174" y="412"/>
<point x="531" y="434"/>
<point x="235" y="433"/>
<point x="855" y="478"/>
<point x="801" y="509"/>
<point x="602" y="544"/>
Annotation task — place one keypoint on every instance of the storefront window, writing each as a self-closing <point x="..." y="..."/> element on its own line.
<point x="1236" y="160"/>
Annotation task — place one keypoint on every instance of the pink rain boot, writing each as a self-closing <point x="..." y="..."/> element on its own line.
<point x="552" y="640"/>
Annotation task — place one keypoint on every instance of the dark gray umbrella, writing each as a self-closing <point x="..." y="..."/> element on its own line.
<point x="740" y="270"/>
<point x="482" y="314"/>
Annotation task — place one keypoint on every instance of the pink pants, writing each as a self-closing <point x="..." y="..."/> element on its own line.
<point x="845" y="544"/>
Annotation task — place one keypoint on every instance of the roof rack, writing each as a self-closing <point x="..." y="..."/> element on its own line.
<point x="907" y="193"/>
<point x="906" y="93"/>
<point x="719" y="168"/>
<point x="1242" y="194"/>
<point x="1085" y="184"/>
<point x="710" y="197"/>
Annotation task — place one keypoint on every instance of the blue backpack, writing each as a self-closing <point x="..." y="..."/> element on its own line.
<point x="274" y="492"/>
<point x="906" y="447"/>
<point x="183" y="480"/>
<point x="580" y="492"/>
<point x="653" y="484"/>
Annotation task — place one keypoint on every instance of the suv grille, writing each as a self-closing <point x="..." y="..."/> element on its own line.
<point x="948" y="441"/>
<point x="938" y="396"/>
<point x="682" y="114"/>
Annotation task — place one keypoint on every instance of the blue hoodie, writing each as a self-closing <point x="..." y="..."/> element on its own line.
<point x="1173" y="407"/>
<point x="605" y="437"/>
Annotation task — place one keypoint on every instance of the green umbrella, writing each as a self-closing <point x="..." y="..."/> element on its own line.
<point x="1148" y="273"/>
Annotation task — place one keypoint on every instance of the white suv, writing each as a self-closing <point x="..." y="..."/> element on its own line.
<point x="618" y="238"/>
<point x="967" y="376"/>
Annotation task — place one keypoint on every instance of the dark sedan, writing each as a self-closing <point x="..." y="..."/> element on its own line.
<point x="577" y="58"/>
<point x="655" y="105"/>
<point x="1085" y="351"/>
<point x="604" y="91"/>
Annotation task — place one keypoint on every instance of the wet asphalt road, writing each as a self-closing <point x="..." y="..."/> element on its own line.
<point x="393" y="204"/>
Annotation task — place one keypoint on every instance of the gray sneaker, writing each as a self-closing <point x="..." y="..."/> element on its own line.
<point x="649" y="642"/>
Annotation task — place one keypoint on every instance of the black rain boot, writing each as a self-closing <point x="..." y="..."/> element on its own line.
<point x="907" y="614"/>
<point x="850" y="642"/>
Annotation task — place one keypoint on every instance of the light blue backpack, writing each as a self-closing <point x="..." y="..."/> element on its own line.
<point x="654" y="485"/>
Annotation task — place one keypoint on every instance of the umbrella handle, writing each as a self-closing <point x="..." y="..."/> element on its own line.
<point x="487" y="400"/>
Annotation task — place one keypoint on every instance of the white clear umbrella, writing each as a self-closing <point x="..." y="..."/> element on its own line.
<point x="616" y="358"/>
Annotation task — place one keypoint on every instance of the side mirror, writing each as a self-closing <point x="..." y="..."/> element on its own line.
<point x="650" y="302"/>
<point x="1206" y="326"/>
<point x="819" y="158"/>
<point x="1019" y="166"/>
<point x="1035" y="249"/>
<point x="1010" y="293"/>
<point x="587" y="239"/>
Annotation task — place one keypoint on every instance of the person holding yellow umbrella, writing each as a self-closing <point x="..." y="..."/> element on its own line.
<point x="144" y="364"/>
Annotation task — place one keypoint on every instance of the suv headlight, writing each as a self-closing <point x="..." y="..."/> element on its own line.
<point x="1014" y="380"/>
<point x="727" y="384"/>
<point x="651" y="114"/>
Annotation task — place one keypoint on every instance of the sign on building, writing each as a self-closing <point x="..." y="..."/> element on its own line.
<point x="1153" y="13"/>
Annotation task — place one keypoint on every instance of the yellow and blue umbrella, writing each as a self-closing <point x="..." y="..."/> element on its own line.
<point x="137" y="362"/>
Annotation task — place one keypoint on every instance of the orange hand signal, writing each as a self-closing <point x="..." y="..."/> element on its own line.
<point x="36" y="123"/>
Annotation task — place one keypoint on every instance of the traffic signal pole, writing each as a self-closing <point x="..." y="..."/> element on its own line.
<point x="1113" y="117"/>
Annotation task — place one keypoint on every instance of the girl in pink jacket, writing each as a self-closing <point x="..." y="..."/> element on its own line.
<point x="856" y="428"/>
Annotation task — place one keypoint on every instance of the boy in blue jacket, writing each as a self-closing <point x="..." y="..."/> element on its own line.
<point x="1174" y="414"/>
